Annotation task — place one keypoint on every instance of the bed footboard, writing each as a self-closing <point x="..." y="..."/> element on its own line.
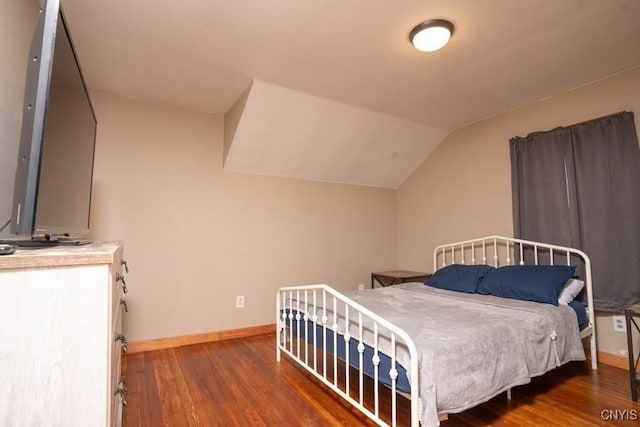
<point x="328" y="334"/>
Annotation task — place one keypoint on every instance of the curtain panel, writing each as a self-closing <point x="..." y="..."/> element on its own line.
<point x="579" y="186"/>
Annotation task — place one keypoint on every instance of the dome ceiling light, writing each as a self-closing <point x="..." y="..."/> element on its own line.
<point x="431" y="35"/>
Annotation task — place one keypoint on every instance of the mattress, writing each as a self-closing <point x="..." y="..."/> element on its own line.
<point x="472" y="347"/>
<point x="385" y="361"/>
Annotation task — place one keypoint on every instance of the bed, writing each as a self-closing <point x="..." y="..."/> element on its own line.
<point x="486" y="321"/>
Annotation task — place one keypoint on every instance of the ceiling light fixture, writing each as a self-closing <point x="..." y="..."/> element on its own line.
<point x="431" y="35"/>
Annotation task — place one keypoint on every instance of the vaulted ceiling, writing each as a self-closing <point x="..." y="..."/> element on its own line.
<point x="352" y="56"/>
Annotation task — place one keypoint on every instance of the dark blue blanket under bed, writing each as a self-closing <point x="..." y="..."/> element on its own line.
<point x="581" y="312"/>
<point x="402" y="382"/>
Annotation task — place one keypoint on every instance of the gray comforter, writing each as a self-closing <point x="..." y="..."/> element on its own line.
<point x="473" y="347"/>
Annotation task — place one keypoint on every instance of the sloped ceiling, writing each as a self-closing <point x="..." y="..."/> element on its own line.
<point x="204" y="55"/>
<point x="277" y="131"/>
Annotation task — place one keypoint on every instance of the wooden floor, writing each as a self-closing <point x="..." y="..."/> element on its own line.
<point x="239" y="383"/>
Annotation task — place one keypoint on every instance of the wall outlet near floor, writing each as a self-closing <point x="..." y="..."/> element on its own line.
<point x="240" y="301"/>
<point x="361" y="287"/>
<point x="619" y="324"/>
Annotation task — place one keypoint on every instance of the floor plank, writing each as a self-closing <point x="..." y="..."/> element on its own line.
<point x="238" y="383"/>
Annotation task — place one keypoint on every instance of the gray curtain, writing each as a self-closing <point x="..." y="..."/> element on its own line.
<point x="580" y="186"/>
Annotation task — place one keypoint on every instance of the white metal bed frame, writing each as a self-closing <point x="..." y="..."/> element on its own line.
<point x="320" y="305"/>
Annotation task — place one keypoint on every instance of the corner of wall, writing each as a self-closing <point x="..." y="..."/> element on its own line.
<point x="232" y="120"/>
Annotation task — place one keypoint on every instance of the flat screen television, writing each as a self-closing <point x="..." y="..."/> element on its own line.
<point x="54" y="174"/>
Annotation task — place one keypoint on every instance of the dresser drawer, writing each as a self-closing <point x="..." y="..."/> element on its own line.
<point x="117" y="340"/>
<point x="115" y="366"/>
<point x="116" y="347"/>
<point x="118" y="284"/>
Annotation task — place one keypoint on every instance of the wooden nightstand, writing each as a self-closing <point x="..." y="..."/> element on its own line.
<point x="631" y="313"/>
<point x="388" y="278"/>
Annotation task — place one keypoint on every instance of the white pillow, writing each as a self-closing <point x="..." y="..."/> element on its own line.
<point x="570" y="290"/>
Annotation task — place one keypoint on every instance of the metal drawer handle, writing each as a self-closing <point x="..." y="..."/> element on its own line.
<point x="123" y="303"/>
<point x="126" y="266"/>
<point x="123" y="341"/>
<point x="121" y="391"/>
<point x="120" y="278"/>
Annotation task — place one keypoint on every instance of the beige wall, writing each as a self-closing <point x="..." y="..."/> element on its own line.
<point x="196" y="236"/>
<point x="463" y="189"/>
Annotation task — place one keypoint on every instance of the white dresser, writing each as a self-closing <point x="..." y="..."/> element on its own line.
<point x="61" y="343"/>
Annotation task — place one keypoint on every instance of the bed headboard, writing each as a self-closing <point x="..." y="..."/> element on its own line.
<point x="499" y="251"/>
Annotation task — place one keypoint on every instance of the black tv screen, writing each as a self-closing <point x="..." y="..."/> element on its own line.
<point x="52" y="190"/>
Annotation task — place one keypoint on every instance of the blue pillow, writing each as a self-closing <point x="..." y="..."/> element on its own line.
<point x="540" y="283"/>
<point x="458" y="277"/>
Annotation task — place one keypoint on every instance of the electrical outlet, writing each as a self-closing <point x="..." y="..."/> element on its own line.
<point x="240" y="301"/>
<point x="361" y="287"/>
<point x="619" y="324"/>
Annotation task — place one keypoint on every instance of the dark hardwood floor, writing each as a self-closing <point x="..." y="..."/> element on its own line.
<point x="239" y="383"/>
